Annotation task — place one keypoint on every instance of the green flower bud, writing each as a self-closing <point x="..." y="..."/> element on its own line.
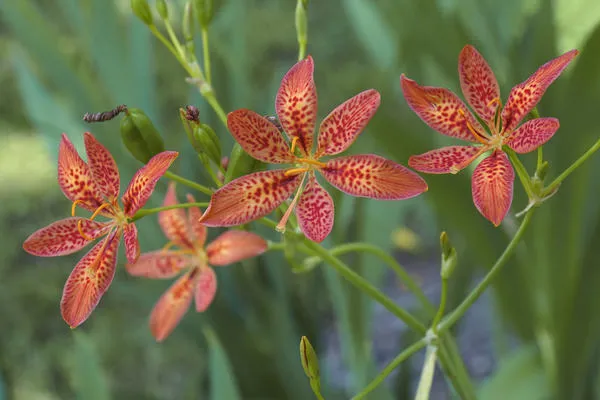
<point x="308" y="356"/>
<point x="162" y="9"/>
<point x="140" y="136"/>
<point x="187" y="25"/>
<point x="206" y="141"/>
<point x="141" y="9"/>
<point x="204" y="12"/>
<point x="449" y="257"/>
<point x="240" y="163"/>
<point x="301" y="23"/>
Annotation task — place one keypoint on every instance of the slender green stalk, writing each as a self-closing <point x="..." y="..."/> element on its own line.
<point x="521" y="172"/>
<point x="206" y="55"/>
<point x="173" y="37"/>
<point x="449" y="355"/>
<point x="365" y="286"/>
<point x="556" y="182"/>
<point x="453" y="317"/>
<point x="409" y="351"/>
<point x="149" y="211"/>
<point x="442" y="307"/>
<point x="187" y="182"/>
<point x="391" y="262"/>
<point x="164" y="41"/>
<point x="424" y="387"/>
<point x="540" y="158"/>
<point x="214" y="103"/>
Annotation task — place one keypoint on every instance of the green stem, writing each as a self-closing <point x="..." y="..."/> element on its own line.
<point x="391" y="262"/>
<point x="206" y="55"/>
<point x="365" y="286"/>
<point x="214" y="103"/>
<point x="442" y="307"/>
<point x="540" y="158"/>
<point x="451" y="359"/>
<point x="187" y="182"/>
<point x="556" y="182"/>
<point x="173" y="38"/>
<point x="521" y="172"/>
<point x="165" y="42"/>
<point x="149" y="211"/>
<point x="409" y="351"/>
<point x="453" y="317"/>
<point x="424" y="387"/>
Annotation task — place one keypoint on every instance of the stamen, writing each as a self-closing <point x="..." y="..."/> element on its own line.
<point x="75" y="203"/>
<point x="476" y="135"/>
<point x="295" y="171"/>
<point x="281" y="225"/>
<point x="312" y="162"/>
<point x="97" y="212"/>
<point x="494" y="100"/>
<point x="293" y="146"/>
<point x="168" y="246"/>
<point x="80" y="229"/>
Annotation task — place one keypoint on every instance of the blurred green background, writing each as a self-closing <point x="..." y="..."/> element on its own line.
<point x="62" y="58"/>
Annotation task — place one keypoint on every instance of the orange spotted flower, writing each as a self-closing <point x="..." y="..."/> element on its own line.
<point x="442" y="110"/>
<point x="94" y="186"/>
<point x="256" y="195"/>
<point x="199" y="280"/>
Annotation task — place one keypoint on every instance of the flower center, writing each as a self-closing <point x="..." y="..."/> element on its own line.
<point x="480" y="137"/>
<point x="118" y="216"/>
<point x="305" y="165"/>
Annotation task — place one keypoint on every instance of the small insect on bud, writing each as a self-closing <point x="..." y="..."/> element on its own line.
<point x="192" y="113"/>
<point x="104" y="116"/>
<point x="141" y="9"/>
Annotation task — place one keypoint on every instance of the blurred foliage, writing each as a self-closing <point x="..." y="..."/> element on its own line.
<point x="66" y="57"/>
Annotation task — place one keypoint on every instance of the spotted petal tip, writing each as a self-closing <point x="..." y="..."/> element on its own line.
<point x="89" y="280"/>
<point x="341" y="128"/>
<point x="233" y="246"/>
<point x="492" y="187"/>
<point x="249" y="197"/>
<point x="372" y="176"/>
<point x="259" y="137"/>
<point x="296" y="104"/>
<point x="144" y="181"/>
<point x="532" y="134"/>
<point x="441" y="109"/>
<point x="478" y="83"/>
<point x="102" y="166"/>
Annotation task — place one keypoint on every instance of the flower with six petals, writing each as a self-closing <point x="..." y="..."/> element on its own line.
<point x="256" y="195"/>
<point x="442" y="110"/>
<point x="94" y="186"/>
<point x="199" y="280"/>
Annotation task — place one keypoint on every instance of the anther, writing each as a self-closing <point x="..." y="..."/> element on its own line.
<point x="98" y="210"/>
<point x="80" y="229"/>
<point x="470" y="127"/>
<point x="168" y="246"/>
<point x="493" y="101"/>
<point x="293" y="146"/>
<point x="295" y="171"/>
<point x="312" y="162"/>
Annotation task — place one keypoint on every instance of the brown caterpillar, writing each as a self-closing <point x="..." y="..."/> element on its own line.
<point x="104" y="116"/>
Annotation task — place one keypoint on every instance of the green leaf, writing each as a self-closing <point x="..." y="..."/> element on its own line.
<point x="87" y="375"/>
<point x="373" y="31"/>
<point x="222" y="379"/>
<point x="519" y="376"/>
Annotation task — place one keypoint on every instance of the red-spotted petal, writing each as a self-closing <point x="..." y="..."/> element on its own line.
<point x="89" y="280"/>
<point x="249" y="197"/>
<point x="368" y="175"/>
<point x="143" y="182"/>
<point x="296" y="104"/>
<point x="132" y="245"/>
<point x="532" y="134"/>
<point x="62" y="237"/>
<point x="159" y="264"/>
<point x="447" y="160"/>
<point x="174" y="222"/>
<point x="492" y="186"/>
<point x="343" y="125"/>
<point x="75" y="178"/>
<point x="526" y="95"/>
<point x="442" y="110"/>
<point x="478" y="83"/>
<point x="315" y="211"/>
<point x="198" y="229"/>
<point x="102" y="166"/>
<point x="259" y="137"/>
<point x="173" y="305"/>
<point x="233" y="246"/>
<point x="206" y="288"/>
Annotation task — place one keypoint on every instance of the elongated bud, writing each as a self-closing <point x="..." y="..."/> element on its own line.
<point x="301" y="21"/>
<point x="240" y="163"/>
<point x="207" y="142"/>
<point x="449" y="257"/>
<point x="140" y="136"/>
<point x="187" y="25"/>
<point x="310" y="363"/>
<point x="204" y="12"/>
<point x="162" y="9"/>
<point x="141" y="9"/>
